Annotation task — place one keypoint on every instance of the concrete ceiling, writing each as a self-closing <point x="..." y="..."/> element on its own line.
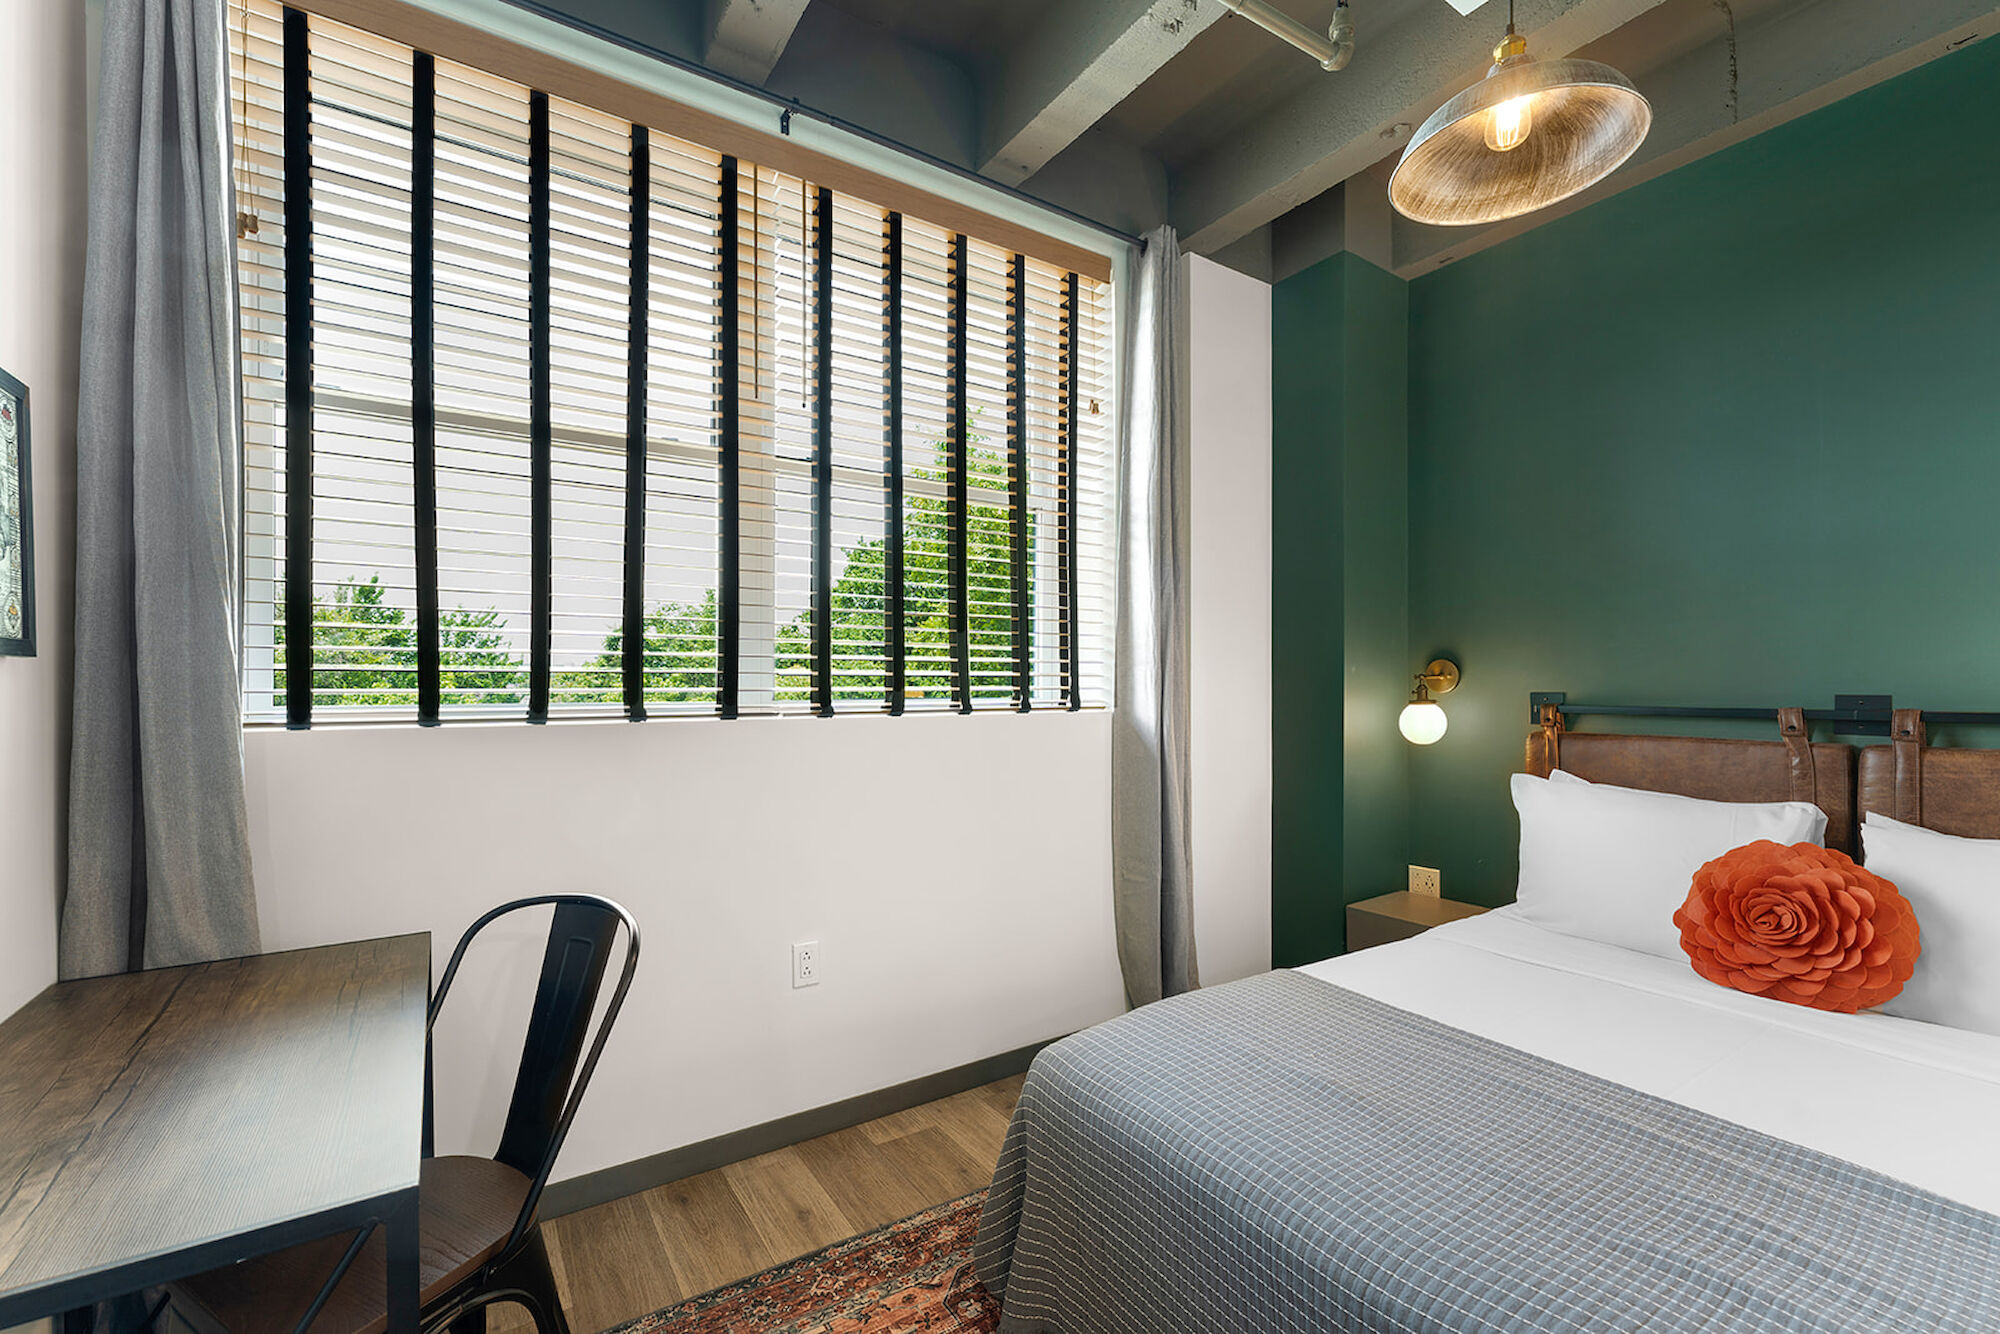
<point x="972" y="32"/>
<point x="1135" y="112"/>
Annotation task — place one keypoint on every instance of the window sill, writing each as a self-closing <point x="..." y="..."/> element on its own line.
<point x="567" y="719"/>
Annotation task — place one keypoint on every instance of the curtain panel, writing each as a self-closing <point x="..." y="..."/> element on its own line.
<point x="159" y="853"/>
<point x="1151" y="859"/>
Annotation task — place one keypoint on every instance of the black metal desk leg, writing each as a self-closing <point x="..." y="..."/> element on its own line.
<point x="404" y="1281"/>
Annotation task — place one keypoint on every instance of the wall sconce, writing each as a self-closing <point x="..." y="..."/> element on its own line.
<point x="1422" y="721"/>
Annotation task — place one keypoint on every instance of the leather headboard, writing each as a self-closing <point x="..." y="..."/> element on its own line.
<point x="1791" y="769"/>
<point x="1951" y="791"/>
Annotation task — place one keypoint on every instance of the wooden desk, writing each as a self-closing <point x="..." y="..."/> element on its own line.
<point x="154" y="1125"/>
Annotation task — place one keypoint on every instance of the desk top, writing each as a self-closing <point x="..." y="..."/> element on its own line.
<point x="149" y="1114"/>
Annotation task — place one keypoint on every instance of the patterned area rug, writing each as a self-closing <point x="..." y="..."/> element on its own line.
<point x="912" y="1277"/>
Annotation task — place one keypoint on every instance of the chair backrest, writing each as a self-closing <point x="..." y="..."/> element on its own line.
<point x="549" y="1085"/>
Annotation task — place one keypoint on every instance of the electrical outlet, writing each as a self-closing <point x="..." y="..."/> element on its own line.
<point x="1425" y="880"/>
<point x="805" y="964"/>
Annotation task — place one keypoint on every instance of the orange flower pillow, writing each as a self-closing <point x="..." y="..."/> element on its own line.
<point x="1802" y="924"/>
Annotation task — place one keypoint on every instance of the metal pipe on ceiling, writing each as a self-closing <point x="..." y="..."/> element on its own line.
<point x="1332" y="51"/>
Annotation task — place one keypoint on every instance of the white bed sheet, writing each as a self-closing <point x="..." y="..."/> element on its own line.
<point x="1914" y="1101"/>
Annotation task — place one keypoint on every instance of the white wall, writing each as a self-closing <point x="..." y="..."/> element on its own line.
<point x="955" y="871"/>
<point x="42" y="163"/>
<point x="1230" y="615"/>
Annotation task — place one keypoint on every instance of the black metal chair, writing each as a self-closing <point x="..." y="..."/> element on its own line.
<point x="481" y="1242"/>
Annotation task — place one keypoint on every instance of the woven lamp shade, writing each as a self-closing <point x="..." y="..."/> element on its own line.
<point x="1587" y="118"/>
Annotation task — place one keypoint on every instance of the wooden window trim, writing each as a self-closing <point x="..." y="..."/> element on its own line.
<point x="450" y="39"/>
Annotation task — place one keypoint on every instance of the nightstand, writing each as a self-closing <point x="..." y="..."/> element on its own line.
<point x="1399" y="916"/>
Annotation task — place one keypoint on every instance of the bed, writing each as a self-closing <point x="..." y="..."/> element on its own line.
<point x="1493" y="1126"/>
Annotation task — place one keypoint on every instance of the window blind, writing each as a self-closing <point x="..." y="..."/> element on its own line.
<point x="482" y="320"/>
<point x="689" y="343"/>
<point x="550" y="414"/>
<point x="927" y="415"/>
<point x="858" y="515"/>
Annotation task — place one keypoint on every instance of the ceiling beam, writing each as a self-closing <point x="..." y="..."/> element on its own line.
<point x="1346" y="121"/>
<point x="746" y="37"/>
<point x="1792" y="62"/>
<point x="1069" y="71"/>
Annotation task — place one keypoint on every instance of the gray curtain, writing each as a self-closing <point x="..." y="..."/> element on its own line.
<point x="159" y="853"/>
<point x="1152" y="895"/>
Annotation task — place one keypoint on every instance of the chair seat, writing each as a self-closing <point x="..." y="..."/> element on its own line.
<point x="469" y="1206"/>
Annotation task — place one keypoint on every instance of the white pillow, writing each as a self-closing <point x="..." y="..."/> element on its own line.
<point x="1612" y="863"/>
<point x="1953" y="884"/>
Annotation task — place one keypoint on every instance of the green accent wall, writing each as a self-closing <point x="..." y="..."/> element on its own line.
<point x="1729" y="437"/>
<point x="1340" y="548"/>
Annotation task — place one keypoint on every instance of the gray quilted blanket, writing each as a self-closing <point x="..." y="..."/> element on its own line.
<point x="1280" y="1154"/>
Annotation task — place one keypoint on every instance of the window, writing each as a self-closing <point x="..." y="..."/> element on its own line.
<point x="547" y="413"/>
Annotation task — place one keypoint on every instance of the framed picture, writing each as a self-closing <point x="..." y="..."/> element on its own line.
<point x="17" y="524"/>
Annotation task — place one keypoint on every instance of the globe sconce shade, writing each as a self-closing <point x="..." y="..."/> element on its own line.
<point x="1422" y="721"/>
<point x="1528" y="135"/>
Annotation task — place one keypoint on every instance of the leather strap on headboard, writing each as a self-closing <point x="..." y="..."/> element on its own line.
<point x="1908" y="734"/>
<point x="1550" y="758"/>
<point x="1798" y="753"/>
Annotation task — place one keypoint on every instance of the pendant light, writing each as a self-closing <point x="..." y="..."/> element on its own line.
<point x="1530" y="133"/>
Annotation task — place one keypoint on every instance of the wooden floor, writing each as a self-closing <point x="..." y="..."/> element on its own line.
<point x="635" y="1255"/>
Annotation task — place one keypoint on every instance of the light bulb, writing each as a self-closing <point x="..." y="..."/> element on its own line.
<point x="1422" y="722"/>
<point x="1508" y="124"/>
